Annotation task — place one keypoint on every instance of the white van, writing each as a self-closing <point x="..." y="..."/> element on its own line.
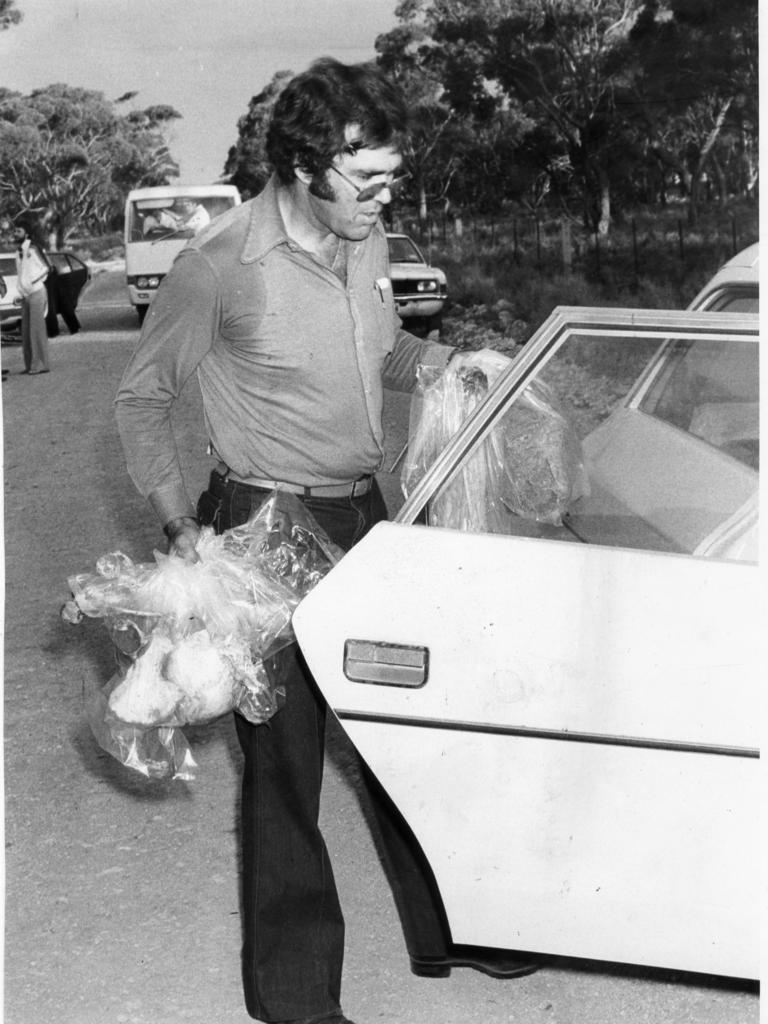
<point x="158" y="223"/>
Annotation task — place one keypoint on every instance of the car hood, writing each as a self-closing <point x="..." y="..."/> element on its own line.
<point x="416" y="271"/>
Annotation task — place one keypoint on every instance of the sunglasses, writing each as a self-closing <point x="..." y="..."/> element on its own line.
<point x="372" y="191"/>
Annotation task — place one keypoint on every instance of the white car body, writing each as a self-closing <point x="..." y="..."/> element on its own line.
<point x="571" y="729"/>
<point x="10" y="303"/>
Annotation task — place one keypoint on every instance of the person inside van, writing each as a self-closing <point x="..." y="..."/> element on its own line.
<point x="160" y="221"/>
<point x="191" y="215"/>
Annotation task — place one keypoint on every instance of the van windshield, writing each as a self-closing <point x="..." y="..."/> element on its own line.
<point x="180" y="216"/>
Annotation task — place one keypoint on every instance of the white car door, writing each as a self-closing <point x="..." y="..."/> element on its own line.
<point x="569" y="728"/>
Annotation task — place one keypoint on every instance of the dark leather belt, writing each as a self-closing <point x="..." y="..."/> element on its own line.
<point x="354" y="489"/>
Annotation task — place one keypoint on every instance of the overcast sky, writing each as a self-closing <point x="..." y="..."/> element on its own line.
<point x="206" y="58"/>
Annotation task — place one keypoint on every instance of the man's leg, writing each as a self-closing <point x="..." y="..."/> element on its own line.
<point x="293" y="928"/>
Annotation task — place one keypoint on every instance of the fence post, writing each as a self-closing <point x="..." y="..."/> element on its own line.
<point x="597" y="254"/>
<point x="565" y="234"/>
<point x="680" y="239"/>
<point x="538" y="243"/>
<point x="634" y="249"/>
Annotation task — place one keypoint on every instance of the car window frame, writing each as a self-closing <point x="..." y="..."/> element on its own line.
<point x="563" y="322"/>
<point x="728" y="290"/>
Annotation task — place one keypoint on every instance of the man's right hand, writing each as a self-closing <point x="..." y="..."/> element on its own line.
<point x="182" y="534"/>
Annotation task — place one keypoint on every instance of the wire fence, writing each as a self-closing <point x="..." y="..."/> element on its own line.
<point x="644" y="244"/>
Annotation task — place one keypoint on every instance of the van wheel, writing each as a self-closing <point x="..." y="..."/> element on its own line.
<point x="142" y="312"/>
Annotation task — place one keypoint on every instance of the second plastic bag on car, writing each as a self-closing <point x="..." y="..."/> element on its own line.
<point x="530" y="465"/>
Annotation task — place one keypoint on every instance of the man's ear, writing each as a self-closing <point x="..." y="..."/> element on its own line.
<point x="303" y="175"/>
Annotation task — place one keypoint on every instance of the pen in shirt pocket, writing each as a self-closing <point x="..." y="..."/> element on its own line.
<point x="381" y="285"/>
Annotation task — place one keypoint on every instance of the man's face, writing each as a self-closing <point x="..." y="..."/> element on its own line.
<point x="345" y="216"/>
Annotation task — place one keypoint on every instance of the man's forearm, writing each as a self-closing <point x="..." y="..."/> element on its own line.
<point x="151" y="459"/>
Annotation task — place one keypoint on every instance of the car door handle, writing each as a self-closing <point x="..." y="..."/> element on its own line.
<point x="372" y="661"/>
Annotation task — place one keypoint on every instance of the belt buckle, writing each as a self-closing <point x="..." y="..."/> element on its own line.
<point x="363" y="480"/>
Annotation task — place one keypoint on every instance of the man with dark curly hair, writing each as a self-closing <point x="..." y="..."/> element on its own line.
<point x="284" y="308"/>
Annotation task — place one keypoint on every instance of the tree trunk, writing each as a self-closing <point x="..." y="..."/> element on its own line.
<point x="693" y="197"/>
<point x="604" y="219"/>
<point x="722" y="185"/>
<point x="706" y="150"/>
<point x="422" y="208"/>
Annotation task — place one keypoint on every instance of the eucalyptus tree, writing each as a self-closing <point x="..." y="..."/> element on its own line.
<point x="699" y="91"/>
<point x="461" y="137"/>
<point x="9" y="14"/>
<point x="247" y="165"/>
<point x="69" y="157"/>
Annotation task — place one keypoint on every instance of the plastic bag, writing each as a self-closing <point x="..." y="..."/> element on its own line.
<point x="530" y="464"/>
<point x="441" y="403"/>
<point x="541" y="458"/>
<point x="195" y="641"/>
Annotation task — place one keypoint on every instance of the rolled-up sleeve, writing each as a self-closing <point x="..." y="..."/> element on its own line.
<point x="178" y="332"/>
<point x="408" y="353"/>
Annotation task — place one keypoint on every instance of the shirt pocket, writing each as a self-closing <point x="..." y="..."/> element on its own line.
<point x="384" y="312"/>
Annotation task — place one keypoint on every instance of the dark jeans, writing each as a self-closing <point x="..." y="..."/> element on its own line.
<point x="293" y="928"/>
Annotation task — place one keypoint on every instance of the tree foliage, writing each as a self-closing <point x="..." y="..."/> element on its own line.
<point x="247" y="165"/>
<point x="697" y="88"/>
<point x="600" y="97"/>
<point x="589" y="105"/>
<point x="9" y="14"/>
<point x="68" y="156"/>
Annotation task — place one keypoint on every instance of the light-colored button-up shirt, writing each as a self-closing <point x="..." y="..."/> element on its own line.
<point x="31" y="269"/>
<point x="291" y="360"/>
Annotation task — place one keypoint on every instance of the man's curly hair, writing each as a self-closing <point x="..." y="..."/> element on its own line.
<point x="307" y="129"/>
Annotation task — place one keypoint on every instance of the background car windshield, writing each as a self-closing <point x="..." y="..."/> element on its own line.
<point x="7" y="266"/>
<point x="140" y="227"/>
<point x="403" y="250"/>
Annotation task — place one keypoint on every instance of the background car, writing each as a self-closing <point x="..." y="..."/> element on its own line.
<point x="69" y="276"/>
<point x="10" y="303"/>
<point x="550" y="658"/>
<point x="420" y="290"/>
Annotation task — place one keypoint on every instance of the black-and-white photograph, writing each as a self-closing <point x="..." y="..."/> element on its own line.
<point x="399" y="392"/>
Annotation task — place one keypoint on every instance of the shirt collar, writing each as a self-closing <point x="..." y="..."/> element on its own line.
<point x="266" y="229"/>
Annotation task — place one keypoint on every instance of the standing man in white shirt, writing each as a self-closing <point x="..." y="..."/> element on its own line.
<point x="31" y="271"/>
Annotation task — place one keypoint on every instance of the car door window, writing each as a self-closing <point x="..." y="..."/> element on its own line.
<point x="619" y="437"/>
<point x="710" y="390"/>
